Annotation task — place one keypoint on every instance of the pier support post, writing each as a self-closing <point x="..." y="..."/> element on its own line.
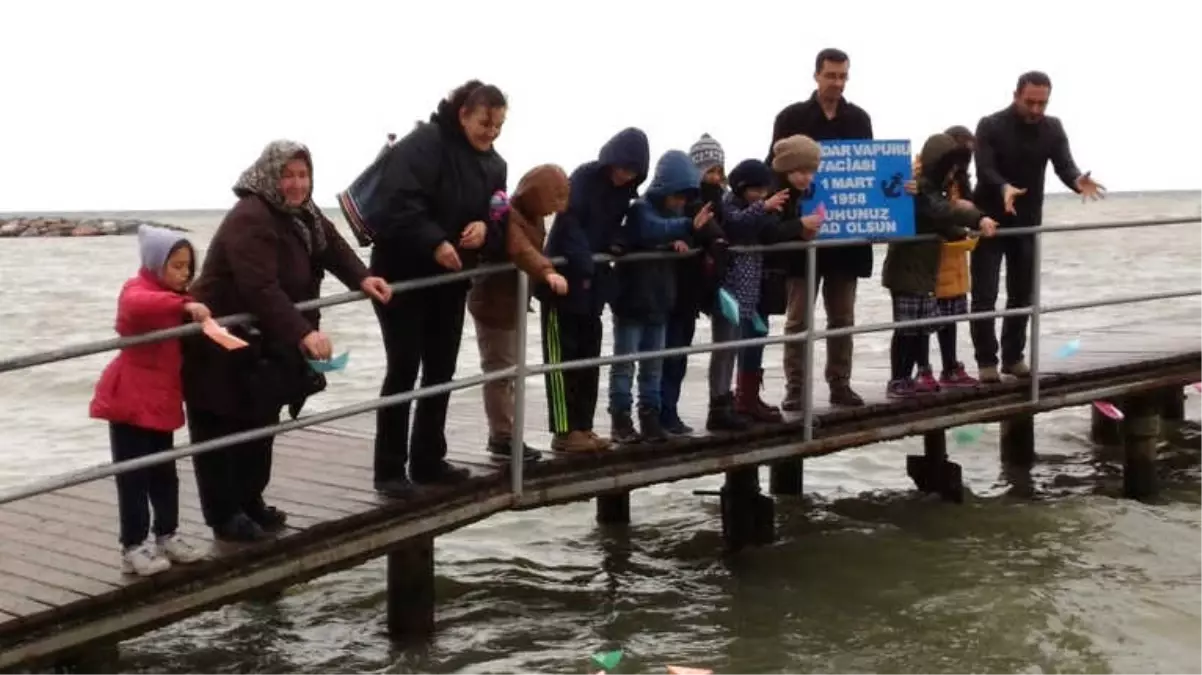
<point x="748" y="516"/>
<point x="95" y="658"/>
<point x="786" y="477"/>
<point x="1172" y="404"/>
<point x="614" y="509"/>
<point x="411" y="590"/>
<point x="1103" y="430"/>
<point x="1141" y="436"/>
<point x="1018" y="441"/>
<point x="932" y="472"/>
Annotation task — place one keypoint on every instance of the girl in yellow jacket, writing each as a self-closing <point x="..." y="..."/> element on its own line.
<point x="951" y="291"/>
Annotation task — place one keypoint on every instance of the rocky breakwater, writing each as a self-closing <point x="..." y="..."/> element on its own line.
<point x="56" y="226"/>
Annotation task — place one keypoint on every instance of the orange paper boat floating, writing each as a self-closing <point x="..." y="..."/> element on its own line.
<point x="685" y="670"/>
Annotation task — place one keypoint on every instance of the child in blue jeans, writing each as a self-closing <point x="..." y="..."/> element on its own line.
<point x="646" y="292"/>
<point x="697" y="278"/>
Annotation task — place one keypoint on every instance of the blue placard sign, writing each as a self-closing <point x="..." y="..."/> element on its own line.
<point x="862" y="184"/>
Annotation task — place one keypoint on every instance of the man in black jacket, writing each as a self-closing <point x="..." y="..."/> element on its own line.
<point x="825" y="116"/>
<point x="1013" y="149"/>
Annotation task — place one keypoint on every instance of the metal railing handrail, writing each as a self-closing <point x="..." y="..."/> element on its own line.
<point x="24" y="361"/>
<point x="107" y="469"/>
<point x="521" y="372"/>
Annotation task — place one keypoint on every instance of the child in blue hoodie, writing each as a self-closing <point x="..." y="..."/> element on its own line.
<point x="601" y="192"/>
<point x="646" y="292"/>
<point x="697" y="278"/>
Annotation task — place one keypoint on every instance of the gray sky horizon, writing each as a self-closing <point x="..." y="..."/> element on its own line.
<point x="133" y="105"/>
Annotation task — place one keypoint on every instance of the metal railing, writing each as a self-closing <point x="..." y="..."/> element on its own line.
<point x="524" y="369"/>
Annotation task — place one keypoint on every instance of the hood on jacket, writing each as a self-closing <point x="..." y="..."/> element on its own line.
<point x="542" y="191"/>
<point x="675" y="173"/>
<point x="939" y="155"/>
<point x="961" y="133"/>
<point x="628" y="149"/>
<point x="750" y="173"/>
<point x="156" y="244"/>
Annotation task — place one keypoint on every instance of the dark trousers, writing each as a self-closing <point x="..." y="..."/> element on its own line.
<point x="946" y="335"/>
<point x="421" y="329"/>
<point x="571" y="394"/>
<point x="1019" y="253"/>
<point x="679" y="334"/>
<point x="137" y="491"/>
<point x="230" y="481"/>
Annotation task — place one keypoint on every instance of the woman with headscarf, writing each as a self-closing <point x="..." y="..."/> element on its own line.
<point x="440" y="180"/>
<point x="270" y="252"/>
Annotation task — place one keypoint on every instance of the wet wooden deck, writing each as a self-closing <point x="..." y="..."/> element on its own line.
<point x="60" y="579"/>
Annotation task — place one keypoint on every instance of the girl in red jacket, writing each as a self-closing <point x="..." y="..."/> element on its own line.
<point x="141" y="396"/>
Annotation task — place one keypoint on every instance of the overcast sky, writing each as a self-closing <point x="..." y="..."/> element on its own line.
<point x="160" y="105"/>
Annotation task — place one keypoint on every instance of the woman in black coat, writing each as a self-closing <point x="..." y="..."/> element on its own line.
<point x="440" y="179"/>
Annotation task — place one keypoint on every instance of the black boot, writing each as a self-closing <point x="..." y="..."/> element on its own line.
<point x="650" y="427"/>
<point x="722" y="415"/>
<point x="501" y="449"/>
<point x="622" y="429"/>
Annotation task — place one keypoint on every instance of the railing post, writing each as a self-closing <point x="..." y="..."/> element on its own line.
<point x="1036" y="303"/>
<point x="517" y="450"/>
<point x="807" y="393"/>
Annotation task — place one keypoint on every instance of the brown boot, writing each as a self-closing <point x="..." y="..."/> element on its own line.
<point x="748" y="402"/>
<point x="575" y="441"/>
<point x="598" y="442"/>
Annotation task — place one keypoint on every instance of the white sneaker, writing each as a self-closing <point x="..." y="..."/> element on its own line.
<point x="179" y="550"/>
<point x="144" y="561"/>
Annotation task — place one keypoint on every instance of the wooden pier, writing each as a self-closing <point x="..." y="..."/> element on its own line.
<point x="62" y="593"/>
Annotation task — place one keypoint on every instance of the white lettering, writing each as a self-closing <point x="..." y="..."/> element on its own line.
<point x="880" y="150"/>
<point x="878" y="227"/>
<point x="848" y="166"/>
<point x="857" y="214"/>
<point x="852" y="182"/>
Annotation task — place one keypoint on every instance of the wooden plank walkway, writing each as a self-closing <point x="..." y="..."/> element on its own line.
<point x="59" y="565"/>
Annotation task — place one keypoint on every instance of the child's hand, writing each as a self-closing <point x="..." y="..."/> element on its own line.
<point x="777" y="201"/>
<point x="812" y="223"/>
<point x="680" y="247"/>
<point x="988" y="227"/>
<point x="703" y="216"/>
<point x="198" y="311"/>
<point x="911" y="187"/>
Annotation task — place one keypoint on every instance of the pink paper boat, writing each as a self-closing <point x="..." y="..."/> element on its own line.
<point x="684" y="670"/>
<point x="1108" y="409"/>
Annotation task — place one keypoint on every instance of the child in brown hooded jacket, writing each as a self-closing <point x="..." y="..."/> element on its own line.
<point x="493" y="301"/>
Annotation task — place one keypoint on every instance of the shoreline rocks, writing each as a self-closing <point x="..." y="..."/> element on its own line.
<point x="57" y="226"/>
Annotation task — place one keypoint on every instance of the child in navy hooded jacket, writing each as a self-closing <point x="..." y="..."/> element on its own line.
<point x="646" y="291"/>
<point x="697" y="277"/>
<point x="600" y="194"/>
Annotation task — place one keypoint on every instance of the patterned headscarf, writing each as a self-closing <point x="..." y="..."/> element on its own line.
<point x="262" y="179"/>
